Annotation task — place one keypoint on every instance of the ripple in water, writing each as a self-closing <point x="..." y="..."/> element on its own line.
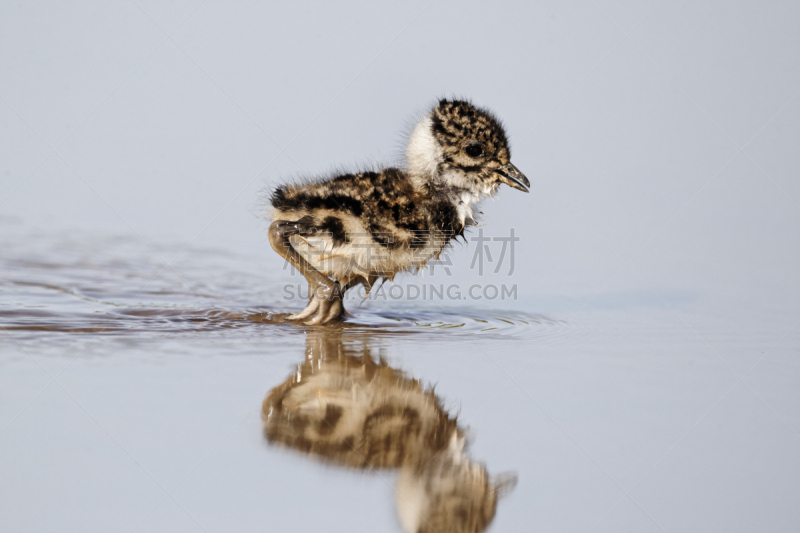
<point x="125" y="292"/>
<point x="132" y="321"/>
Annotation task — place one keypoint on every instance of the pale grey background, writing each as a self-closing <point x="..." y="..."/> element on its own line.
<point x="661" y="136"/>
<point x="661" y="139"/>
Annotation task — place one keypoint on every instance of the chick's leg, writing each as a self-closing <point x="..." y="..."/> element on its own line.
<point x="325" y="295"/>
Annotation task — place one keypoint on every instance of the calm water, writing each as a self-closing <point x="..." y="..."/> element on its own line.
<point x="131" y="399"/>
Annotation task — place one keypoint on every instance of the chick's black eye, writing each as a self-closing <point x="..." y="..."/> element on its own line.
<point x="474" y="150"/>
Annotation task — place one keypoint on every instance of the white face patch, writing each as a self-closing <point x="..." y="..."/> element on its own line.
<point x="423" y="153"/>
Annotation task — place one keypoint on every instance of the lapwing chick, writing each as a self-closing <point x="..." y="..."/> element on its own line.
<point x="351" y="229"/>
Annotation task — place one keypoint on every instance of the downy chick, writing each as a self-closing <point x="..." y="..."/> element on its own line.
<point x="355" y="229"/>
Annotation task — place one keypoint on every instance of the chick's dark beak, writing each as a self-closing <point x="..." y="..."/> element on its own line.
<point x="511" y="176"/>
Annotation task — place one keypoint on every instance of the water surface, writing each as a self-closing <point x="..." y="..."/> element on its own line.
<point x="135" y="396"/>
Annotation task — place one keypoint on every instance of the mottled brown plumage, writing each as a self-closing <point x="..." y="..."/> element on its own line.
<point x="358" y="228"/>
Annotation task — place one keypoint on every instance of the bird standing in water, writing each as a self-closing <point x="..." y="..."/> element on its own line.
<point x="353" y="229"/>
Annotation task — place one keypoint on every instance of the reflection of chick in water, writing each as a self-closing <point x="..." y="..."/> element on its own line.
<point x="345" y="407"/>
